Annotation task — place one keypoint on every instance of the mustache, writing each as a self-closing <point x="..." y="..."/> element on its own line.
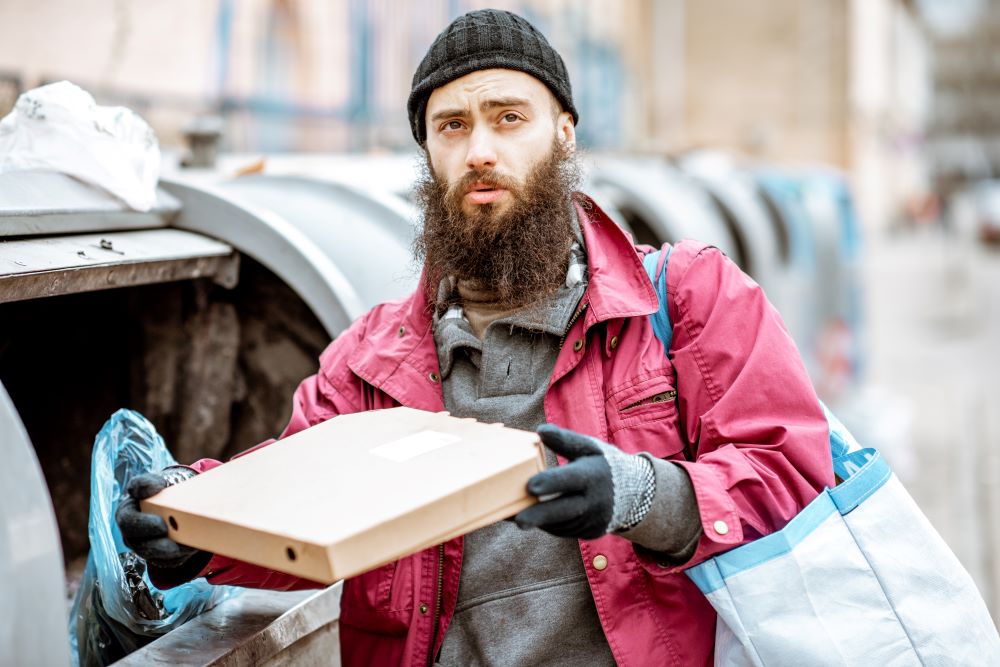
<point x="520" y="252"/>
<point x="490" y="177"/>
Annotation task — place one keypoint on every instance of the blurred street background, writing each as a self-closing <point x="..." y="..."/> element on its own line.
<point x="893" y="106"/>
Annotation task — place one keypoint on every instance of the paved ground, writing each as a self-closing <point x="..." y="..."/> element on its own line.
<point x="934" y="343"/>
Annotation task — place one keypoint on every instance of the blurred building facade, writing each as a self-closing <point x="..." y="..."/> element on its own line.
<point x="843" y="82"/>
<point x="964" y="131"/>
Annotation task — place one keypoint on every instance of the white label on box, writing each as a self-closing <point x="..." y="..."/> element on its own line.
<point x="414" y="445"/>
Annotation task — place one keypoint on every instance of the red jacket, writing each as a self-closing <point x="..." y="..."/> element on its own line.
<point x="745" y="405"/>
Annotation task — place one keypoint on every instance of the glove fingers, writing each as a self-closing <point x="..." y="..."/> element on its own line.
<point x="574" y="477"/>
<point x="127" y="506"/>
<point x="164" y="552"/>
<point x="554" y="511"/>
<point x="583" y="528"/>
<point x="138" y="527"/>
<point x="570" y="478"/>
<point x="146" y="485"/>
<point x="569" y="444"/>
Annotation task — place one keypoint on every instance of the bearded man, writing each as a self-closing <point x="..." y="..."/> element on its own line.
<point x="533" y="311"/>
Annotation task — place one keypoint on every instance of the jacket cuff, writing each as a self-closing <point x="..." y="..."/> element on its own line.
<point x="721" y="528"/>
<point x="672" y="527"/>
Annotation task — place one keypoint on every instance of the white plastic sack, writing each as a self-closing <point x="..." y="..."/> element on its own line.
<point x="60" y="128"/>
<point x="859" y="577"/>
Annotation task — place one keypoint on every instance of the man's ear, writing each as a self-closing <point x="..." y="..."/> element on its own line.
<point x="566" y="130"/>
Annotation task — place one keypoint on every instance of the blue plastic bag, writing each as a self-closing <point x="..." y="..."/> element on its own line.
<point x="117" y="609"/>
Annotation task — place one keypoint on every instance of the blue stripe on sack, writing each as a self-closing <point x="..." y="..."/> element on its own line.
<point x="865" y="481"/>
<point x="851" y="464"/>
<point x="765" y="549"/>
<point x="706" y="576"/>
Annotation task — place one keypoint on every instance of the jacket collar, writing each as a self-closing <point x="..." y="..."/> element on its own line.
<point x="619" y="286"/>
<point x="398" y="356"/>
<point x="406" y="367"/>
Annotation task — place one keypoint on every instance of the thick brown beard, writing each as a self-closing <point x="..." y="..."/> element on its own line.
<point x="521" y="253"/>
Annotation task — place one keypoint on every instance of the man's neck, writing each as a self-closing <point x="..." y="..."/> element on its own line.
<point x="480" y="305"/>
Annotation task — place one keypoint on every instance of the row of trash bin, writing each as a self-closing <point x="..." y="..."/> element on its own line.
<point x="795" y="231"/>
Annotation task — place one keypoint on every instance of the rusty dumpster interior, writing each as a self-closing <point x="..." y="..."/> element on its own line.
<point x="214" y="369"/>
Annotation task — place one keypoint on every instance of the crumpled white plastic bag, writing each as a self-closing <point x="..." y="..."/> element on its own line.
<point x="59" y="127"/>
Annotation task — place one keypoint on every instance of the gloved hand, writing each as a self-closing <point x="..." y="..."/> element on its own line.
<point x="600" y="490"/>
<point x="145" y="533"/>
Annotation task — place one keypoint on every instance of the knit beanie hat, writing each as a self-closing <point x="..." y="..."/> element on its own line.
<point x="486" y="39"/>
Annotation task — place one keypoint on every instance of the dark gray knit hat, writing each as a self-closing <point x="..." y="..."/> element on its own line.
<point x="486" y="39"/>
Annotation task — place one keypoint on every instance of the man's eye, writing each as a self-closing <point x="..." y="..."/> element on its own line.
<point x="511" y="117"/>
<point x="453" y="125"/>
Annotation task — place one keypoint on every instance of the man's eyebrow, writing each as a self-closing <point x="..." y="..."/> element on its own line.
<point x="486" y="105"/>
<point x="449" y="113"/>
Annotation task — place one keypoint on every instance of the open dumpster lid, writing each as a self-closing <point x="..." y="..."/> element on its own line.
<point x="54" y="265"/>
<point x="46" y="202"/>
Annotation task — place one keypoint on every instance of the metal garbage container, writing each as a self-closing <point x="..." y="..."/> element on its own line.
<point x="660" y="204"/>
<point x="735" y="194"/>
<point x="837" y="235"/>
<point x="822" y="296"/>
<point x="799" y="308"/>
<point x="204" y="314"/>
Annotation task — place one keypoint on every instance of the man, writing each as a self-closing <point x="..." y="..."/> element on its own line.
<point x="534" y="310"/>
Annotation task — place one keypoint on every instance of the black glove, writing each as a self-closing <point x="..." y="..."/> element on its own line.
<point x="145" y="533"/>
<point x="600" y="490"/>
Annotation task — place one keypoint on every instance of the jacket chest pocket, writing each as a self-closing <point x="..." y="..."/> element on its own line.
<point x="642" y="416"/>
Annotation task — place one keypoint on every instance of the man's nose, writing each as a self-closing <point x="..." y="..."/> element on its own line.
<point x="482" y="151"/>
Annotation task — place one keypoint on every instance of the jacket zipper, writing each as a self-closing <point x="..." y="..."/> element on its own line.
<point x="437" y="603"/>
<point x="572" y="321"/>
<point x="659" y="398"/>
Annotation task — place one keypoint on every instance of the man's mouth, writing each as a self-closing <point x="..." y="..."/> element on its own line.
<point x="483" y="193"/>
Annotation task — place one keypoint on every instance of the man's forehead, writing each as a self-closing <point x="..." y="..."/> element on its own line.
<point x="473" y="89"/>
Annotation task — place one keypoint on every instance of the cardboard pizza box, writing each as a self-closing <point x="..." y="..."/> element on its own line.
<point x="355" y="492"/>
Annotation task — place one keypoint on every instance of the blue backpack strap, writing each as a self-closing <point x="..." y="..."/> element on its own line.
<point x="661" y="318"/>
